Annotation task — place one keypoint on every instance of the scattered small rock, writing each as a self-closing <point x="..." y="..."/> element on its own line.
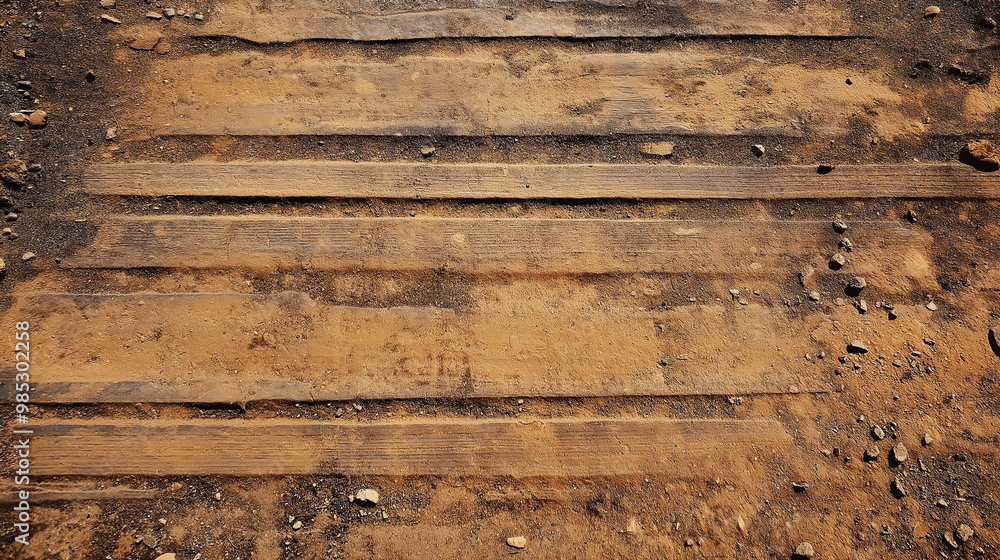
<point x="90" y="76"/>
<point x="37" y="119"/>
<point x="110" y="19"/>
<point x="814" y="296"/>
<point x="855" y="285"/>
<point x="964" y="533"/>
<point x="897" y="488"/>
<point x="911" y="216"/>
<point x="899" y="454"/>
<point x="218" y="496"/>
<point x="839" y="226"/>
<point x="169" y="12"/>
<point x="931" y="11"/>
<point x="145" y="39"/>
<point x="857" y="347"/>
<point x="167" y="556"/>
<point x="12" y="176"/>
<point x="927" y="440"/>
<point x="18" y="117"/>
<point x="804" y="550"/>
<point x="517" y="542"/>
<point x="871" y="453"/>
<point x="427" y="151"/>
<point x="931" y="306"/>
<point x="982" y="155"/>
<point x="941" y="503"/>
<point x="296" y="526"/>
<point x="861" y="306"/>
<point x="367" y="497"/>
<point x="878" y="433"/>
<point x="20" y="53"/>
<point x="154" y="15"/>
<point x="199" y="17"/>
<point x="846" y="245"/>
<point x="3" y="268"/>
<point x="108" y="4"/>
<point x="689" y="543"/>
<point x="661" y="149"/>
<point x="27" y="256"/>
<point x="823" y="169"/>
<point x="162" y="47"/>
<point x="23" y="85"/>
<point x="988" y="23"/>
<point x="837" y="261"/>
<point x="757" y="150"/>
<point x="741" y="524"/>
<point x="949" y="538"/>
<point x="111" y="133"/>
<point x="800" y="486"/>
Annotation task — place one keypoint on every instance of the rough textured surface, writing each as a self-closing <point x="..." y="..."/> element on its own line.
<point x="539" y="324"/>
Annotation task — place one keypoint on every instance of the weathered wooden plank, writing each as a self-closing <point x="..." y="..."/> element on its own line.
<point x="484" y="181"/>
<point x="483" y="92"/>
<point x="231" y="348"/>
<point x="511" y="246"/>
<point x="578" y="447"/>
<point x="296" y="20"/>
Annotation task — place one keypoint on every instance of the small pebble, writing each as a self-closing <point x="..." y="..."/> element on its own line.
<point x="900" y="454"/>
<point x="367" y="496"/>
<point x="757" y="150"/>
<point x="846" y="245"/>
<point x="837" y="261"/>
<point x="857" y="347"/>
<point x="110" y="19"/>
<point x="897" y="488"/>
<point x="37" y="118"/>
<point x="878" y="433"/>
<point x="871" y="453"/>
<point x="27" y="256"/>
<point x="931" y="11"/>
<point x="949" y="538"/>
<point x="154" y="15"/>
<point x="839" y="226"/>
<point x="804" y="550"/>
<point x="964" y="533"/>
<point x="169" y="12"/>
<point x="517" y="542"/>
<point x="931" y="306"/>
